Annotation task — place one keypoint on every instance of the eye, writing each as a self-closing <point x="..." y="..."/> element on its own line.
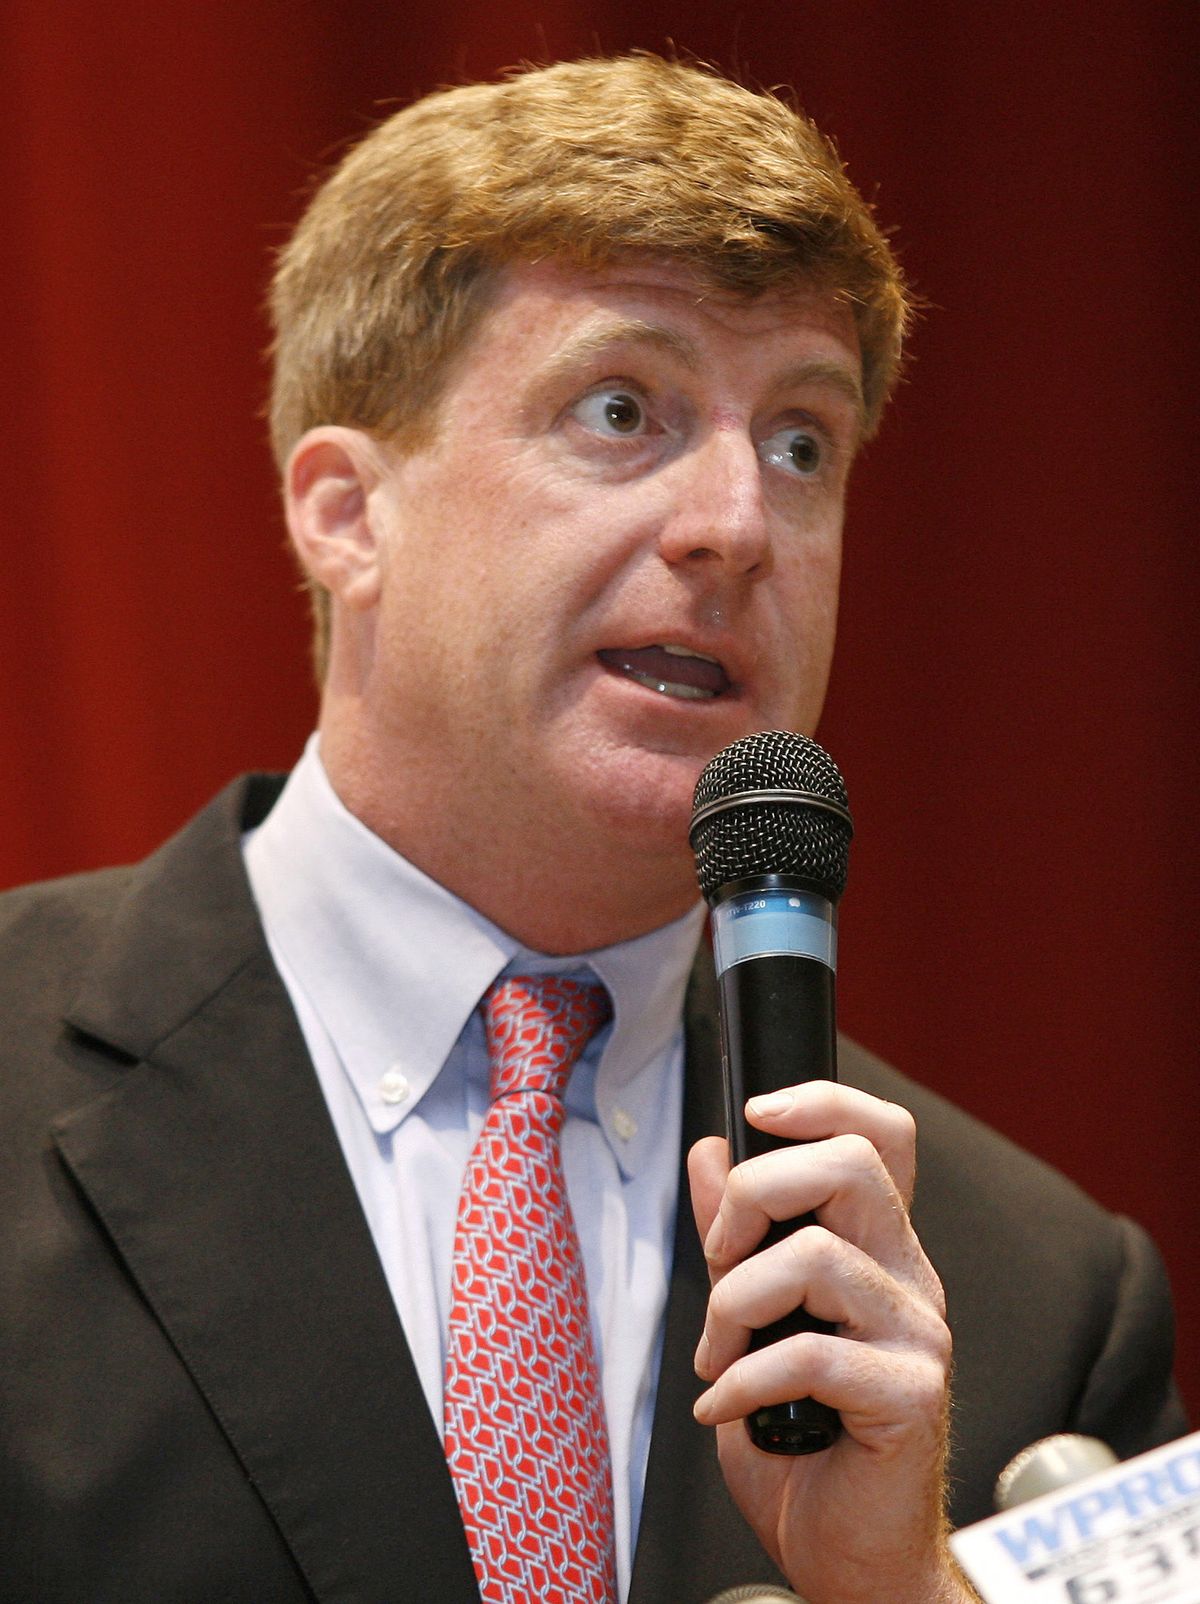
<point x="611" y="412"/>
<point x="795" y="450"/>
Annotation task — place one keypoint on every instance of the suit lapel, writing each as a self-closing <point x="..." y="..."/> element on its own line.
<point x="216" y="1172"/>
<point x="692" y="1540"/>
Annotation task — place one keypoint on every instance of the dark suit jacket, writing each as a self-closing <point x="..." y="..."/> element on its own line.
<point x="205" y="1393"/>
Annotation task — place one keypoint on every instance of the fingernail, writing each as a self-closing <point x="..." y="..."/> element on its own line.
<point x="771" y="1103"/>
<point x="702" y="1409"/>
<point x="701" y="1361"/>
<point x="715" y="1240"/>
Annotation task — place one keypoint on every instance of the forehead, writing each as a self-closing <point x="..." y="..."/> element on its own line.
<point x="551" y="312"/>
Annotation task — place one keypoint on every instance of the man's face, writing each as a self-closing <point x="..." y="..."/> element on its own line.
<point x="619" y="553"/>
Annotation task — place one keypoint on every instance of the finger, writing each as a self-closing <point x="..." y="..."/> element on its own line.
<point x="821" y="1108"/>
<point x="708" y="1171"/>
<point x="844" y="1182"/>
<point x="875" y="1390"/>
<point x="833" y="1281"/>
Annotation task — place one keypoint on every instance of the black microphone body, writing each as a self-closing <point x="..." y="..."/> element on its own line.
<point x="771" y="832"/>
<point x="777" y="1015"/>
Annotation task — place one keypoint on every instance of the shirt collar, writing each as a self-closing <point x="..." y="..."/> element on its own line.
<point x="394" y="964"/>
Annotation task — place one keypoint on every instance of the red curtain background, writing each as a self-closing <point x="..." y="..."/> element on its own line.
<point x="1013" y="701"/>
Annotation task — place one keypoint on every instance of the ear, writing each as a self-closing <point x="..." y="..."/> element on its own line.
<point x="327" y="497"/>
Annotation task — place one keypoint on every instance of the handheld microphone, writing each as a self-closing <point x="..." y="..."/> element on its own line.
<point x="757" y="1593"/>
<point x="771" y="832"/>
<point x="1077" y="1525"/>
<point x="1048" y="1464"/>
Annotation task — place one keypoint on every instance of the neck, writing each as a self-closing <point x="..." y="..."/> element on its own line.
<point x="556" y="886"/>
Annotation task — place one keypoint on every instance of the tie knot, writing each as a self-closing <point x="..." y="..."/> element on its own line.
<point x="537" y="1026"/>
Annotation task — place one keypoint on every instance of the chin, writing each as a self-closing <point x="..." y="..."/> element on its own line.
<point x="644" y="798"/>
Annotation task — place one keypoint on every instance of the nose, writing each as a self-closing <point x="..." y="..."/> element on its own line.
<point x="718" y="514"/>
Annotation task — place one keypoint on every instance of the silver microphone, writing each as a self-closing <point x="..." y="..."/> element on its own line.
<point x="1076" y="1523"/>
<point x="1049" y="1464"/>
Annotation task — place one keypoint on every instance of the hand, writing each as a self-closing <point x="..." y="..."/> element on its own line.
<point x="863" y="1521"/>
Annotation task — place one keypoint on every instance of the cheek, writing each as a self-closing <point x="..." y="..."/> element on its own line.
<point x="809" y="579"/>
<point x="807" y="619"/>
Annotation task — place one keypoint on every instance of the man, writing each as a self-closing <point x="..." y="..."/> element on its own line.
<point x="570" y="374"/>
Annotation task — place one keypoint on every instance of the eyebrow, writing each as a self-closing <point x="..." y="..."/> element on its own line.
<point x="593" y="342"/>
<point x="830" y="376"/>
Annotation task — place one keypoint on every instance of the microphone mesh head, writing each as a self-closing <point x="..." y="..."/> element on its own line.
<point x="766" y="835"/>
<point x="756" y="1593"/>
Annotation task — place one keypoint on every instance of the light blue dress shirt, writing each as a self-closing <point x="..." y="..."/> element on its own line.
<point x="385" y="969"/>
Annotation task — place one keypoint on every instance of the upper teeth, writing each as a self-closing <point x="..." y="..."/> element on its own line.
<point x="686" y="651"/>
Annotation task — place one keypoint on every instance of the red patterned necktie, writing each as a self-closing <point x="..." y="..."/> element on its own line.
<point x="525" y="1434"/>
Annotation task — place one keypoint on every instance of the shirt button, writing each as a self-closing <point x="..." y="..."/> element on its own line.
<point x="624" y="1124"/>
<point x="393" y="1087"/>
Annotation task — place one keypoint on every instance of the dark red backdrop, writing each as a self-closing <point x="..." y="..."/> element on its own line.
<point x="1013" y="700"/>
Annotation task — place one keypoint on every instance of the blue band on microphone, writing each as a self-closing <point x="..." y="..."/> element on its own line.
<point x="768" y="924"/>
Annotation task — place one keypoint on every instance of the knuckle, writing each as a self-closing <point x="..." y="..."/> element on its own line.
<point x="937" y="1300"/>
<point x="742" y="1185"/>
<point x="820" y="1099"/>
<point x="714" y="1256"/>
<point x="858" y="1154"/>
<point x="930" y="1387"/>
<point x="928" y="1287"/>
<point x="942" y="1346"/>
<point x="931" y="1340"/>
<point x="723" y="1299"/>
<point x="903" y="1125"/>
<point x="732" y="1383"/>
<point x="803" y="1360"/>
<point x="811" y="1247"/>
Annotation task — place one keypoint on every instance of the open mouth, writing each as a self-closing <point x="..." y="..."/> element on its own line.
<point x="669" y="670"/>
